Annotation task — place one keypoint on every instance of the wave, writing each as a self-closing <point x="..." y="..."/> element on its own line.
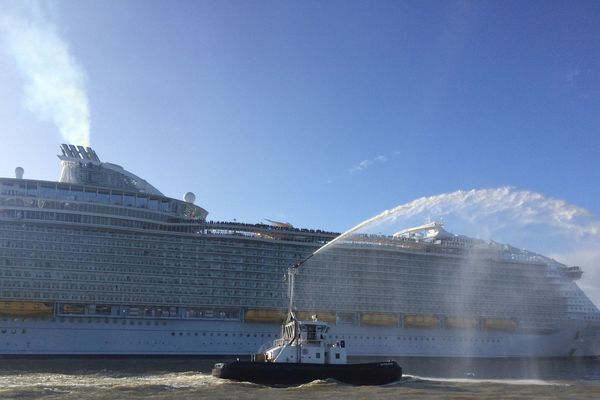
<point x="474" y="380"/>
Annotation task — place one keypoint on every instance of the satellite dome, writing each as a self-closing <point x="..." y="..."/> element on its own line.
<point x="19" y="172"/>
<point x="189" y="197"/>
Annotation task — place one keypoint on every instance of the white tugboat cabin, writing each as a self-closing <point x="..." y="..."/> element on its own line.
<point x="306" y="342"/>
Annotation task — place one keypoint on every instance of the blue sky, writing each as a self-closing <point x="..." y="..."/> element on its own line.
<point x="325" y="113"/>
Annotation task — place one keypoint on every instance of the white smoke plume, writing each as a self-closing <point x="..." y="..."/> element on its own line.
<point x="54" y="82"/>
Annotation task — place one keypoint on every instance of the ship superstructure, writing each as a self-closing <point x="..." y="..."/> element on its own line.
<point x="102" y="262"/>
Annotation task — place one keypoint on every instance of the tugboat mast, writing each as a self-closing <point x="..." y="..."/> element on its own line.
<point x="292" y="272"/>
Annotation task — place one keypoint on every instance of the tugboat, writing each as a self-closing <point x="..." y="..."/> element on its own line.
<point x="305" y="353"/>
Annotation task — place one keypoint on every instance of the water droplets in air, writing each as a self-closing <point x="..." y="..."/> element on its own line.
<point x="524" y="219"/>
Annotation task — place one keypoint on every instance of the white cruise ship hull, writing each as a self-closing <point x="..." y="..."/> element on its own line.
<point x="102" y="263"/>
<point x="79" y="336"/>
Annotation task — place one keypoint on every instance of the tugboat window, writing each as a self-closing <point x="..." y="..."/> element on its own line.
<point x="311" y="332"/>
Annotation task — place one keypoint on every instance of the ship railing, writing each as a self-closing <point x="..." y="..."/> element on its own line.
<point x="368" y="242"/>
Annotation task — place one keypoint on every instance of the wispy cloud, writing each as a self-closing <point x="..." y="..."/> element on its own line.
<point x="571" y="76"/>
<point x="54" y="82"/>
<point x="582" y="83"/>
<point x="364" y="164"/>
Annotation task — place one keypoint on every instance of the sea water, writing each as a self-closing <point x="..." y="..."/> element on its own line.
<point x="164" y="378"/>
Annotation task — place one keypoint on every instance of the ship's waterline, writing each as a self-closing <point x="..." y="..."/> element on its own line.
<point x="102" y="263"/>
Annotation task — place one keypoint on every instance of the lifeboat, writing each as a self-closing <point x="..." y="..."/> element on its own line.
<point x="421" y="321"/>
<point x="500" y="324"/>
<point x="73" y="309"/>
<point x="104" y="310"/>
<point x="462" y="322"/>
<point x="264" y="315"/>
<point x="25" y="309"/>
<point x="134" y="312"/>
<point x="326" y="316"/>
<point x="379" y="319"/>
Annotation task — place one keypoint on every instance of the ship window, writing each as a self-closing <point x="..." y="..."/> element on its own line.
<point x="141" y="202"/>
<point x="90" y="195"/>
<point x="63" y="192"/>
<point x="103" y="196"/>
<point x="164" y="205"/>
<point x="318" y="355"/>
<point x="337" y="355"/>
<point x="77" y="193"/>
<point x="46" y="191"/>
<point x="129" y="200"/>
<point x="153" y="204"/>
<point x="116" y="198"/>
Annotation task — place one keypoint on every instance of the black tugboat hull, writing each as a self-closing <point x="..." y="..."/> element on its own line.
<point x="266" y="373"/>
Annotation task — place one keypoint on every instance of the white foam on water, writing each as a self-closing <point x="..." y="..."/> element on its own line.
<point x="527" y="382"/>
<point x="173" y="380"/>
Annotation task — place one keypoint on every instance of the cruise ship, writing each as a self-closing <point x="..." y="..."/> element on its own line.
<point x="102" y="263"/>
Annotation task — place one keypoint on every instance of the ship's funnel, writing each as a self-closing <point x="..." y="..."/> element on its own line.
<point x="19" y="172"/>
